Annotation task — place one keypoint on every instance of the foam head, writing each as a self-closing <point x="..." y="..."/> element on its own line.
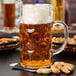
<point x="36" y="14"/>
<point x="8" y="1"/>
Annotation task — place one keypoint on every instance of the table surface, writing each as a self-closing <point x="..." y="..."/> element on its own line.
<point x="14" y="56"/>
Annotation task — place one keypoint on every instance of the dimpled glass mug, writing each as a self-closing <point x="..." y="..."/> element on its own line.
<point x="36" y="34"/>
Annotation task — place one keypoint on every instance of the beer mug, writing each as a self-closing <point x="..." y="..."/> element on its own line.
<point x="36" y="34"/>
<point x="59" y="7"/>
<point x="9" y="16"/>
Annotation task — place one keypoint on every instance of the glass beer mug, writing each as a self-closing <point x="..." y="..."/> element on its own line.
<point x="36" y="34"/>
<point x="9" y="16"/>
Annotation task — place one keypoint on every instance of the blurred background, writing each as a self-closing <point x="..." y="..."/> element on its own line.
<point x="70" y="12"/>
<point x="71" y="7"/>
<point x="17" y="12"/>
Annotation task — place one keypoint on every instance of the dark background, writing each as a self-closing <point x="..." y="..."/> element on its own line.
<point x="72" y="7"/>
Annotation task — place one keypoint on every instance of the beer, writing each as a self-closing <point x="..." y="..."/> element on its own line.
<point x="9" y="14"/>
<point x="35" y="43"/>
<point x="58" y="10"/>
<point x="35" y="36"/>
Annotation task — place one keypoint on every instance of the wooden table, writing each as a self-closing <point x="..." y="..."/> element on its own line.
<point x="14" y="56"/>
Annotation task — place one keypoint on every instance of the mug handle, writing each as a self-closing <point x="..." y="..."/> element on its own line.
<point x="66" y="35"/>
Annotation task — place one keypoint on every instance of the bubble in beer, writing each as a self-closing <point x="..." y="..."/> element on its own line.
<point x="43" y="44"/>
<point x="36" y="35"/>
<point x="30" y="51"/>
<point x="30" y="30"/>
<point x="30" y="45"/>
<point x="25" y="56"/>
<point x="37" y="56"/>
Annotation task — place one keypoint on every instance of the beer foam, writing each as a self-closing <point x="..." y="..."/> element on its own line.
<point x="8" y="1"/>
<point x="36" y="14"/>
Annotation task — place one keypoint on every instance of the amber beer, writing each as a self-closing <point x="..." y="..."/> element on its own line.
<point x="35" y="45"/>
<point x="35" y="37"/>
<point x="58" y="10"/>
<point x="9" y="15"/>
